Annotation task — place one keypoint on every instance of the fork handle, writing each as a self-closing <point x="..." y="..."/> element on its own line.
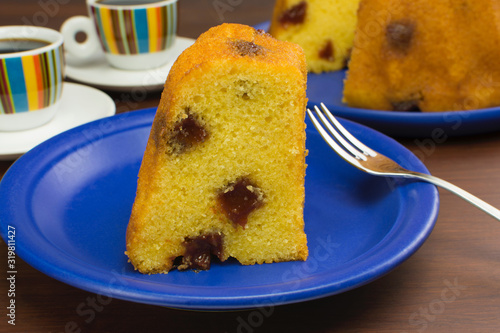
<point x="486" y="207"/>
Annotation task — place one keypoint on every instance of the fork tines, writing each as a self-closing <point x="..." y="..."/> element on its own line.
<point x="354" y="147"/>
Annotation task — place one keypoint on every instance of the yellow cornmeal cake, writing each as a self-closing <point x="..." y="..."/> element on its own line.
<point x="324" y="29"/>
<point x="223" y="171"/>
<point x="416" y="55"/>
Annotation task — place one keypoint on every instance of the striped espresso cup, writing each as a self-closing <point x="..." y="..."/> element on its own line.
<point x="134" y="34"/>
<point x="31" y="76"/>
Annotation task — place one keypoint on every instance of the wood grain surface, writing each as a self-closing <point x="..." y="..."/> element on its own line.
<point x="452" y="284"/>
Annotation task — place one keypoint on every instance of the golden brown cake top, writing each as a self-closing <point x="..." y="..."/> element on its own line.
<point x="228" y="42"/>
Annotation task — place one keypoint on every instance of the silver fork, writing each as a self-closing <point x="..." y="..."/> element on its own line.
<point x="372" y="162"/>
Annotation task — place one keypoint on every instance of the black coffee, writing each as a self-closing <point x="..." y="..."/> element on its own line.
<point x="127" y="2"/>
<point x="19" y="45"/>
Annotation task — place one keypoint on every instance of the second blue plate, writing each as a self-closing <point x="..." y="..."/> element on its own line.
<point x="328" y="88"/>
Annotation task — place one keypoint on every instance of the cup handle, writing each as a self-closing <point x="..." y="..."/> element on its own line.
<point x="80" y="52"/>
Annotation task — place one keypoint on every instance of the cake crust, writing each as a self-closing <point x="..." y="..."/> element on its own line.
<point x="425" y="56"/>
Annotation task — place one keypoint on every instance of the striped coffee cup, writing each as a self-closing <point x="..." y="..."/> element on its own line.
<point x="133" y="34"/>
<point x="31" y="76"/>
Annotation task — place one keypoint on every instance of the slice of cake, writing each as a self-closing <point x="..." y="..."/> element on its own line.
<point x="416" y="55"/>
<point x="223" y="171"/>
<point x="324" y="29"/>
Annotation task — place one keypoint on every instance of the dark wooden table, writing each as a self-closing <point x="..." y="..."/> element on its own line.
<point x="452" y="284"/>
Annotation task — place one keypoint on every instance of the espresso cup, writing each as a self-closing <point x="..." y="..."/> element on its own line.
<point x="31" y="76"/>
<point x="134" y="34"/>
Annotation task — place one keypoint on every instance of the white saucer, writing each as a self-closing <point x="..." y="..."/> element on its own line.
<point x="98" y="73"/>
<point x="79" y="105"/>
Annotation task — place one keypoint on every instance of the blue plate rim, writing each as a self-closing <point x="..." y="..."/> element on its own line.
<point x="84" y="276"/>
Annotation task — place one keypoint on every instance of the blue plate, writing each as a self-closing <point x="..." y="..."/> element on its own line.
<point x="69" y="201"/>
<point x="328" y="88"/>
